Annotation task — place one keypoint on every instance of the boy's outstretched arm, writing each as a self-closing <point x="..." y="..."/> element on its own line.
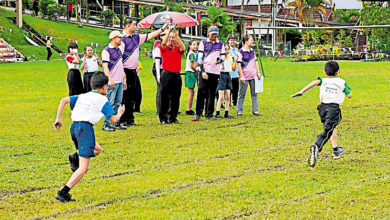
<point x="63" y="102"/>
<point x="349" y="95"/>
<point x="115" y="118"/>
<point x="309" y="86"/>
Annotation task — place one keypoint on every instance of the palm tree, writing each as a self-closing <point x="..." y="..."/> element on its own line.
<point x="306" y="9"/>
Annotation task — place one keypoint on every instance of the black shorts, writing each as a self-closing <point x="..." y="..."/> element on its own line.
<point x="225" y="81"/>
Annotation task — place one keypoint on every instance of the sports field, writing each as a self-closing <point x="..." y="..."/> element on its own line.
<point x="250" y="166"/>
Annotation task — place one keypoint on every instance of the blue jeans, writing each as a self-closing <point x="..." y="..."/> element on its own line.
<point x="114" y="96"/>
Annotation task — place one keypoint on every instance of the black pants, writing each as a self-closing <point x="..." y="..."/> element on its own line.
<point x="206" y="92"/>
<point x="49" y="53"/>
<point x="158" y="94"/>
<point x="170" y="89"/>
<point x="129" y="95"/>
<point x="330" y="115"/>
<point x="138" y="95"/>
<point x="87" y="81"/>
<point x="74" y="82"/>
<point x="234" y="92"/>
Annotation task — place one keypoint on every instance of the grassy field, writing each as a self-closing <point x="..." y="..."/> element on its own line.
<point x="250" y="166"/>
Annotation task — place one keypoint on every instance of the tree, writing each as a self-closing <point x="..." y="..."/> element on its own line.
<point x="221" y="19"/>
<point x="346" y="16"/>
<point x="376" y="15"/>
<point x="108" y="16"/>
<point x="306" y="9"/>
<point x="46" y="7"/>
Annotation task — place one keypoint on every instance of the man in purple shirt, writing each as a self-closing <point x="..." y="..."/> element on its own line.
<point x="211" y="53"/>
<point x="113" y="68"/>
<point x="131" y="41"/>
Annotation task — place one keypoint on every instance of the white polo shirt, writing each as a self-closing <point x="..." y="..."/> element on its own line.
<point x="333" y="90"/>
<point x="90" y="107"/>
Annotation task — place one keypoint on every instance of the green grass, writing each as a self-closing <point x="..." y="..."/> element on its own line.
<point x="249" y="166"/>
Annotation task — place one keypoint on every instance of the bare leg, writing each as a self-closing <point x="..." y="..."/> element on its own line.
<point x="220" y="98"/>
<point x="79" y="173"/>
<point x="190" y="99"/>
<point x="227" y="99"/>
<point x="333" y="138"/>
<point x="98" y="149"/>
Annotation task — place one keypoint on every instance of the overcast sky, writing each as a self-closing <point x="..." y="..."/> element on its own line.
<point x="348" y="4"/>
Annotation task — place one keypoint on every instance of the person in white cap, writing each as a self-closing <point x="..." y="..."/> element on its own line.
<point x="211" y="54"/>
<point x="113" y="68"/>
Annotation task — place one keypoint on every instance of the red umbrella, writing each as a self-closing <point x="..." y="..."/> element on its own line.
<point x="157" y="20"/>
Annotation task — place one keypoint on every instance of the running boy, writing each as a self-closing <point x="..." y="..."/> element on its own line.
<point x="190" y="77"/>
<point x="225" y="83"/>
<point x="332" y="94"/>
<point x="87" y="109"/>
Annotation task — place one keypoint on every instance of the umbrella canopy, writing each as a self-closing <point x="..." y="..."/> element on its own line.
<point x="157" y="20"/>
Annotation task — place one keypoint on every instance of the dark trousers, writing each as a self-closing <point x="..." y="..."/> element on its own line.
<point x="206" y="92"/>
<point x="138" y="95"/>
<point x="170" y="89"/>
<point x="49" y="53"/>
<point x="87" y="81"/>
<point x="129" y="95"/>
<point x="74" y="82"/>
<point x="330" y="115"/>
<point x="234" y="92"/>
<point x="158" y="94"/>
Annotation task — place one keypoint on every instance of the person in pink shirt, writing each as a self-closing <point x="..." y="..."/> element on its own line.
<point x="131" y="41"/>
<point x="211" y="54"/>
<point x="113" y="68"/>
<point x="249" y="70"/>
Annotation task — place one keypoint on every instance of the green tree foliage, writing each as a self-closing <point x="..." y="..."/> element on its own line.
<point x="173" y="6"/>
<point x="346" y="16"/>
<point x="376" y="15"/>
<point x="108" y="16"/>
<point x="49" y="8"/>
<point x="221" y="19"/>
<point x="347" y="42"/>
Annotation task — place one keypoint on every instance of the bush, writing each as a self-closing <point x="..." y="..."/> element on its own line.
<point x="107" y="16"/>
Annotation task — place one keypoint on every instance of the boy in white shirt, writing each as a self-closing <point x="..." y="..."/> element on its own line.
<point x="87" y="109"/>
<point x="332" y="94"/>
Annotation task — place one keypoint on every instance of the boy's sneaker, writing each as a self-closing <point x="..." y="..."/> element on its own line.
<point x="196" y="118"/>
<point x="108" y="128"/>
<point x="337" y="152"/>
<point x="256" y="114"/>
<point x="74" y="161"/>
<point x="239" y="113"/>
<point x="313" y="155"/>
<point x="218" y="116"/>
<point x="64" y="197"/>
<point x="229" y="117"/>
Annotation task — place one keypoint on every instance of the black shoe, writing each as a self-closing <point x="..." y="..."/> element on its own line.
<point x="164" y="122"/>
<point x="313" y="155"/>
<point x="190" y="112"/>
<point x="174" y="121"/>
<point x="64" y="197"/>
<point x="132" y="123"/>
<point x="108" y="128"/>
<point x="229" y="117"/>
<point x="218" y="116"/>
<point x="337" y="152"/>
<point x="210" y="118"/>
<point x="255" y="114"/>
<point x="119" y="127"/>
<point x="74" y="161"/>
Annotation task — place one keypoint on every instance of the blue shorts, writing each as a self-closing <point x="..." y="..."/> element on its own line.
<point x="225" y="81"/>
<point x="83" y="137"/>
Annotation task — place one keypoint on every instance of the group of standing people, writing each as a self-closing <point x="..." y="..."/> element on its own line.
<point x="120" y="62"/>
<point x="217" y="69"/>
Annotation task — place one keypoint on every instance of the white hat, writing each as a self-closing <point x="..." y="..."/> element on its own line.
<point x="115" y="34"/>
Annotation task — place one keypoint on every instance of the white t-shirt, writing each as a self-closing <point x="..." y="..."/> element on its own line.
<point x="91" y="65"/>
<point x="227" y="65"/>
<point x="190" y="58"/>
<point x="333" y="90"/>
<point x="90" y="107"/>
<point x="69" y="58"/>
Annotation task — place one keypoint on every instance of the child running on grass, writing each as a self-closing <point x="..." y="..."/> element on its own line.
<point x="87" y="109"/>
<point x="190" y="77"/>
<point x="225" y="83"/>
<point x="332" y="94"/>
